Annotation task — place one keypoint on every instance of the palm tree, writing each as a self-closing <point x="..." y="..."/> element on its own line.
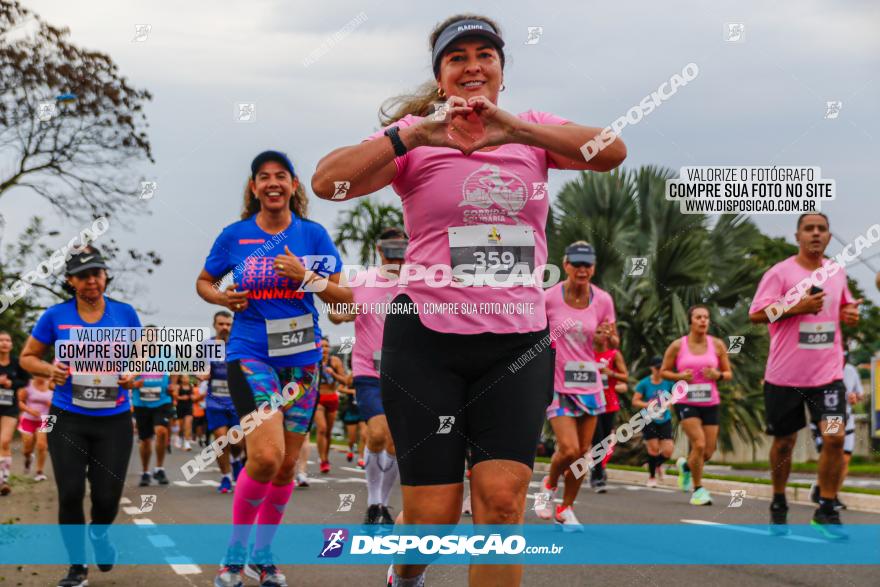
<point x="361" y="226"/>
<point x="691" y="258"/>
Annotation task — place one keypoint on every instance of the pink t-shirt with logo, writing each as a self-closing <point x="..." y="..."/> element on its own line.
<point x="575" y="345"/>
<point x="442" y="189"/>
<point x="372" y="295"/>
<point x="805" y="350"/>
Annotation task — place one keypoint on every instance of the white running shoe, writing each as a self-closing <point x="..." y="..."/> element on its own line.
<point x="544" y="504"/>
<point x="652" y="482"/>
<point x="40" y="477"/>
<point x="176" y="442"/>
<point x="565" y="517"/>
<point x="187" y="446"/>
<point x="302" y="480"/>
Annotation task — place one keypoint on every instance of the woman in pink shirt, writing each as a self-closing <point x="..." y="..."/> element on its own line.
<point x="579" y="311"/>
<point x="470" y="369"/>
<point x="700" y="360"/>
<point x="34" y="402"/>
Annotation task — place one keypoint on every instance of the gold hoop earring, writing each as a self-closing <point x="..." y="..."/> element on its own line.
<point x="441" y="93"/>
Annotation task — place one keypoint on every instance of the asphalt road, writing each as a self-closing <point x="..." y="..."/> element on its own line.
<point x="198" y="502"/>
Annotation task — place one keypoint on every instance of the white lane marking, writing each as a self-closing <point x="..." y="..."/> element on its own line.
<point x="143" y="522"/>
<point x="186" y="569"/>
<point x="201" y="483"/>
<point x="754" y="531"/>
<point x="160" y="540"/>
<point x="124" y="501"/>
<point x="353" y="469"/>
<point x="131" y="510"/>
<point x="350" y="480"/>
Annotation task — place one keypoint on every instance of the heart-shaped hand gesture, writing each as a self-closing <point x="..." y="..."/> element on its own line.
<point x="498" y="126"/>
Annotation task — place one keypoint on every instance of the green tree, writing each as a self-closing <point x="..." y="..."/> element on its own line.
<point x="72" y="129"/>
<point x="691" y="258"/>
<point x="361" y="225"/>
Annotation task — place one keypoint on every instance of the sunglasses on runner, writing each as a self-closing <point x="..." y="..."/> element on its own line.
<point x="579" y="264"/>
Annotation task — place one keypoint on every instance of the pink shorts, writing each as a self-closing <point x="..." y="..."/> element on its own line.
<point x="27" y="426"/>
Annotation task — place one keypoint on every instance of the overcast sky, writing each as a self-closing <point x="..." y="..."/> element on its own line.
<point x="756" y="102"/>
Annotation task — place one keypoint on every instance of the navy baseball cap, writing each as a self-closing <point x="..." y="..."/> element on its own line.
<point x="85" y="260"/>
<point x="581" y="254"/>
<point x="655" y="361"/>
<point x="464" y="28"/>
<point x="271" y="156"/>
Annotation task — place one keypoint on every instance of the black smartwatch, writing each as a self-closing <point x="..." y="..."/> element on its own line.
<point x="393" y="133"/>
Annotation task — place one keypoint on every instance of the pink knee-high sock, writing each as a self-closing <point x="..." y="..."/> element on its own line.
<point x="271" y="514"/>
<point x="608" y="455"/>
<point x="248" y="497"/>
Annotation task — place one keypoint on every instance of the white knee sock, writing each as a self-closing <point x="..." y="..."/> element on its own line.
<point x="388" y="463"/>
<point x="5" y="466"/>
<point x="374" y="477"/>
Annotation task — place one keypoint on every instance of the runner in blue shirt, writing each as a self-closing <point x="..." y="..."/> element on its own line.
<point x="153" y="413"/>
<point x="277" y="259"/>
<point x="92" y="434"/>
<point x="657" y="433"/>
<point x="219" y="409"/>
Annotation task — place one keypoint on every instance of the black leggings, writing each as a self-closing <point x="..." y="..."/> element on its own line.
<point x="446" y="393"/>
<point x="604" y="427"/>
<point x="93" y="447"/>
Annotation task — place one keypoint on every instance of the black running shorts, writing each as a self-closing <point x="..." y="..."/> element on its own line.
<point x="784" y="406"/>
<point x="708" y="415"/>
<point x="444" y="393"/>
